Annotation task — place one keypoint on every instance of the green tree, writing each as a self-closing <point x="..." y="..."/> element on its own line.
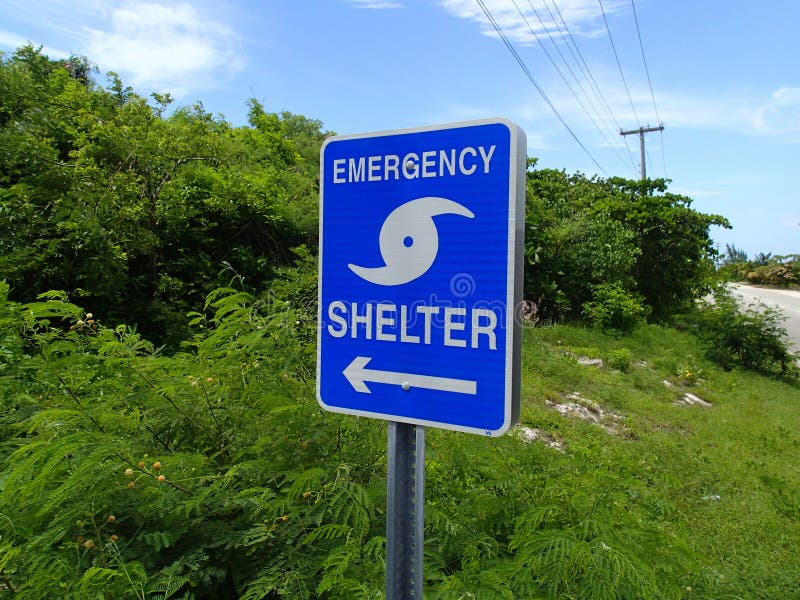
<point x="582" y="232"/>
<point x="140" y="213"/>
<point x="569" y="248"/>
<point x="676" y="264"/>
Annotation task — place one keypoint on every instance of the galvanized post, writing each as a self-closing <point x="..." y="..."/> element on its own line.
<point x="405" y="516"/>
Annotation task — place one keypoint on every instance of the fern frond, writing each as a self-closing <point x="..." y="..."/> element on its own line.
<point x="330" y="531"/>
<point x="97" y="579"/>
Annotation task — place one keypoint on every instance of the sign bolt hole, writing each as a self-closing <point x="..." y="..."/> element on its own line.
<point x="406" y="386"/>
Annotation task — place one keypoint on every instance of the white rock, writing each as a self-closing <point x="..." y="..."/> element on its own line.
<point x="587" y="410"/>
<point x="692" y="400"/>
<point x="590" y="362"/>
<point x="530" y="434"/>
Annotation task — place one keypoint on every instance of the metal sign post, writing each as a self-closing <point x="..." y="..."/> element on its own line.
<point x="405" y="511"/>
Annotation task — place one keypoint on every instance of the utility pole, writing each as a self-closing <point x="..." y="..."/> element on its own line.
<point x="641" y="131"/>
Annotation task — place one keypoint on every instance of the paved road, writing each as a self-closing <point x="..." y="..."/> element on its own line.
<point x="787" y="300"/>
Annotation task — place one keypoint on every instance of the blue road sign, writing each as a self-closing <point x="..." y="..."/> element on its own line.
<point x="421" y="235"/>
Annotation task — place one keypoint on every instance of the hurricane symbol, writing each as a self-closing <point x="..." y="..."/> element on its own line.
<point x="409" y="240"/>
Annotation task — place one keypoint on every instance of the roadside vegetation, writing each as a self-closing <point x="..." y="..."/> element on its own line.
<point x="159" y="436"/>
<point x="212" y="472"/>
<point x="762" y="269"/>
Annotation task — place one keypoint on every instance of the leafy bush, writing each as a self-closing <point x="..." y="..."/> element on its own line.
<point x="140" y="213"/>
<point x="568" y="247"/>
<point x="620" y="359"/>
<point x="764" y="269"/>
<point x="780" y="275"/>
<point x="689" y="373"/>
<point x="614" y="309"/>
<point x="751" y="337"/>
<point x="208" y="474"/>
<point x="676" y="262"/>
<point x="581" y="232"/>
<point x="733" y="264"/>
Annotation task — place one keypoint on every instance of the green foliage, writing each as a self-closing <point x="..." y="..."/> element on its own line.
<point x="264" y="495"/>
<point x="614" y="309"/>
<point x="783" y="275"/>
<point x="583" y="232"/>
<point x="676" y="261"/>
<point x="732" y="263"/>
<point x="136" y="213"/>
<point x="751" y="337"/>
<point x="764" y="269"/>
<point x="217" y="465"/>
<point x="139" y="213"/>
<point x="689" y="373"/>
<point x="620" y="359"/>
<point x="225" y="479"/>
<point x="568" y="247"/>
<point x="733" y="255"/>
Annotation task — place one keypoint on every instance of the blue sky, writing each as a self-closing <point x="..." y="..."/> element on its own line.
<point x="724" y="76"/>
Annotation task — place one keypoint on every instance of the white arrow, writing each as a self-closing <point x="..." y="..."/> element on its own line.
<point x="357" y="375"/>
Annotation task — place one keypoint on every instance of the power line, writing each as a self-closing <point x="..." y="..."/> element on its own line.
<point x="644" y="60"/>
<point x="530" y="77"/>
<point x="649" y="83"/>
<point x="600" y="119"/>
<point x="584" y="67"/>
<point x="563" y="77"/>
<point x="641" y="130"/>
<point x="619" y="65"/>
<point x="663" y="160"/>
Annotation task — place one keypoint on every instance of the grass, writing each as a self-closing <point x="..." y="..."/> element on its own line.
<point x="724" y="479"/>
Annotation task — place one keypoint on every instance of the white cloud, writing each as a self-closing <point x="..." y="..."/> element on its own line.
<point x="730" y="110"/>
<point x="582" y="17"/>
<point x="787" y="96"/>
<point x="62" y="18"/>
<point x="735" y="111"/>
<point x="164" y="47"/>
<point x="779" y="114"/>
<point x="11" y="40"/>
<point x="155" y="45"/>
<point x="375" y="4"/>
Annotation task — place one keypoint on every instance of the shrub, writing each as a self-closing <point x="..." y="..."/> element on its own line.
<point x="781" y="275"/>
<point x="675" y="264"/>
<point x="764" y="269"/>
<point x="212" y="473"/>
<point x="620" y="359"/>
<point x="689" y="373"/>
<point x="139" y="213"/>
<point x="614" y="309"/>
<point x="751" y="336"/>
<point x="581" y="232"/>
<point x="125" y="473"/>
